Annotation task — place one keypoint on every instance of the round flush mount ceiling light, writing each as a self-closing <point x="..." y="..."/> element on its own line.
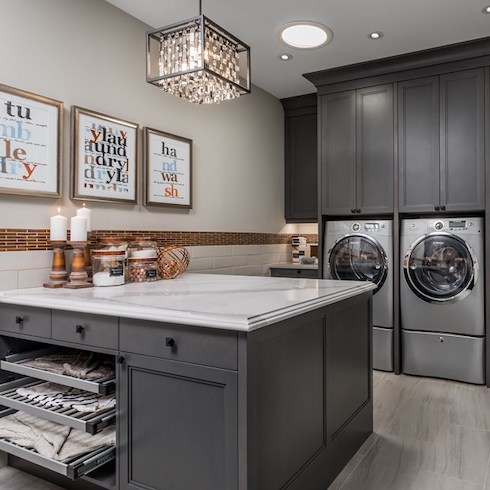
<point x="305" y="34"/>
<point x="375" y="35"/>
<point x="286" y="57"/>
<point x="486" y="10"/>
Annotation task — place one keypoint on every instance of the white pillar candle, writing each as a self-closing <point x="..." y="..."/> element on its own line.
<point x="57" y="228"/>
<point x="78" y="229"/>
<point x="87" y="214"/>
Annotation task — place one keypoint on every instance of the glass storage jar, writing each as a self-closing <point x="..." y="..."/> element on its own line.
<point x="143" y="269"/>
<point x="108" y="267"/>
<point x="143" y="247"/>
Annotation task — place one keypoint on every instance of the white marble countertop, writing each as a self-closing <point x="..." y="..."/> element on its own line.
<point x="291" y="265"/>
<point x="242" y="303"/>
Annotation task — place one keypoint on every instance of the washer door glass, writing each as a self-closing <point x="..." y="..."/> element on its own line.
<point x="440" y="268"/>
<point x="358" y="258"/>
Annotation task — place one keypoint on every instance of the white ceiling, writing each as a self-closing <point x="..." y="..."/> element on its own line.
<point x="408" y="25"/>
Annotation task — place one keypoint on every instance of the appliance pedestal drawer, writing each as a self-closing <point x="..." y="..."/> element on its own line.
<point x="442" y="355"/>
<point x="383" y="349"/>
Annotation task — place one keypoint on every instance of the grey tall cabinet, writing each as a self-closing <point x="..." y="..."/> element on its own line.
<point x="357" y="159"/>
<point x="441" y="138"/>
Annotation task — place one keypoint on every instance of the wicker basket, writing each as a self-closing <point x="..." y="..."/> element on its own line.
<point x="172" y="261"/>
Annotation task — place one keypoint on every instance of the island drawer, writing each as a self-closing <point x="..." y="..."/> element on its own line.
<point x="206" y="346"/>
<point x="25" y="320"/>
<point x="86" y="421"/>
<point x="85" y="329"/>
<point x="16" y="363"/>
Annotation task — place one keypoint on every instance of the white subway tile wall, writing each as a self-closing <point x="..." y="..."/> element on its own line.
<point x="31" y="269"/>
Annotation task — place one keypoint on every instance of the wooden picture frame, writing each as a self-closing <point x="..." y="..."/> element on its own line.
<point x="31" y="143"/>
<point x="104" y="157"/>
<point x="167" y="169"/>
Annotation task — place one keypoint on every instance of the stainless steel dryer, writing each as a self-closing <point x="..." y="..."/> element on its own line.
<point x="442" y="298"/>
<point x="363" y="251"/>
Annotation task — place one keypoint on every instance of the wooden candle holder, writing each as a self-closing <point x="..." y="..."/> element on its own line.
<point x="58" y="276"/>
<point x="78" y="275"/>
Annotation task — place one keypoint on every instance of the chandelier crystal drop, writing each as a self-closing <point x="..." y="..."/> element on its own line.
<point x="198" y="61"/>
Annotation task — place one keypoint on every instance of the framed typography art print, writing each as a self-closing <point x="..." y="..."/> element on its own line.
<point x="104" y="154"/>
<point x="31" y="129"/>
<point x="168" y="169"/>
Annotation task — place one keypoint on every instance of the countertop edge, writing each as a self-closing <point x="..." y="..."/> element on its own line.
<point x="223" y="322"/>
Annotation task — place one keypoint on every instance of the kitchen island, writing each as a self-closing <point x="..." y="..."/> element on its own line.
<point x="223" y="382"/>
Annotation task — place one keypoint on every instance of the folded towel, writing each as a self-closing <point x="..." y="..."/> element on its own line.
<point x="75" y="363"/>
<point x="51" y="440"/>
<point x="55" y="395"/>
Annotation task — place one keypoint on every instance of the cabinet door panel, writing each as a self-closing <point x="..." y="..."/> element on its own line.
<point x="178" y="426"/>
<point x="301" y="168"/>
<point x="338" y="153"/>
<point x="462" y="141"/>
<point x="375" y="158"/>
<point x="418" y="144"/>
<point x="349" y="376"/>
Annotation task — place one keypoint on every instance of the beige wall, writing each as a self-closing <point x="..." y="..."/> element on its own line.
<point x="90" y="54"/>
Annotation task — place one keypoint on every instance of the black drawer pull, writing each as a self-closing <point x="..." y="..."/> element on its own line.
<point x="437" y="208"/>
<point x="120" y="359"/>
<point x="358" y="211"/>
<point x="352" y="211"/>
<point x="298" y="271"/>
<point x="19" y="320"/>
<point x="169" y="342"/>
<point x="443" y="208"/>
<point x="79" y="328"/>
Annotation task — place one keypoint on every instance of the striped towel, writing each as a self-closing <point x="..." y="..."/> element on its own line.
<point x="58" y="396"/>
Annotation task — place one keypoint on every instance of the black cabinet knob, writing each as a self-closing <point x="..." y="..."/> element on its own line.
<point x="120" y="359"/>
<point x="79" y="328"/>
<point x="443" y="208"/>
<point x="169" y="342"/>
<point x="359" y="211"/>
<point x="437" y="208"/>
<point x="19" y="320"/>
<point x="352" y="211"/>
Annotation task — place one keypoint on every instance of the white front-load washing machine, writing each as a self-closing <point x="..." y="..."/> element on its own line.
<point x="362" y="250"/>
<point x="442" y="298"/>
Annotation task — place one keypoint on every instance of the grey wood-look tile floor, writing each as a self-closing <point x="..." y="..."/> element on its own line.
<point x="429" y="434"/>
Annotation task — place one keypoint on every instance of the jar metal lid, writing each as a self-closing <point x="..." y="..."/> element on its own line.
<point x="112" y="239"/>
<point x="108" y="252"/>
<point x="141" y="260"/>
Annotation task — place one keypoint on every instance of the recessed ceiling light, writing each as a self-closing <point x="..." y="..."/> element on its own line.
<point x="286" y="56"/>
<point x="375" y="35"/>
<point x="305" y="34"/>
<point x="486" y="10"/>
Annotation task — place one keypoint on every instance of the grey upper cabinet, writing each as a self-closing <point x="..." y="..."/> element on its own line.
<point x="418" y="144"/>
<point x="462" y="141"/>
<point x="441" y="142"/>
<point x="338" y="153"/>
<point x="301" y="162"/>
<point x="357" y="151"/>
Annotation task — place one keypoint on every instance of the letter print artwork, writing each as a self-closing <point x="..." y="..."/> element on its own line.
<point x="168" y="169"/>
<point x="30" y="143"/>
<point x="103" y="157"/>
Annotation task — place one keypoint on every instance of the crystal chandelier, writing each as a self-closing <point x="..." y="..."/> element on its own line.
<point x="198" y="60"/>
